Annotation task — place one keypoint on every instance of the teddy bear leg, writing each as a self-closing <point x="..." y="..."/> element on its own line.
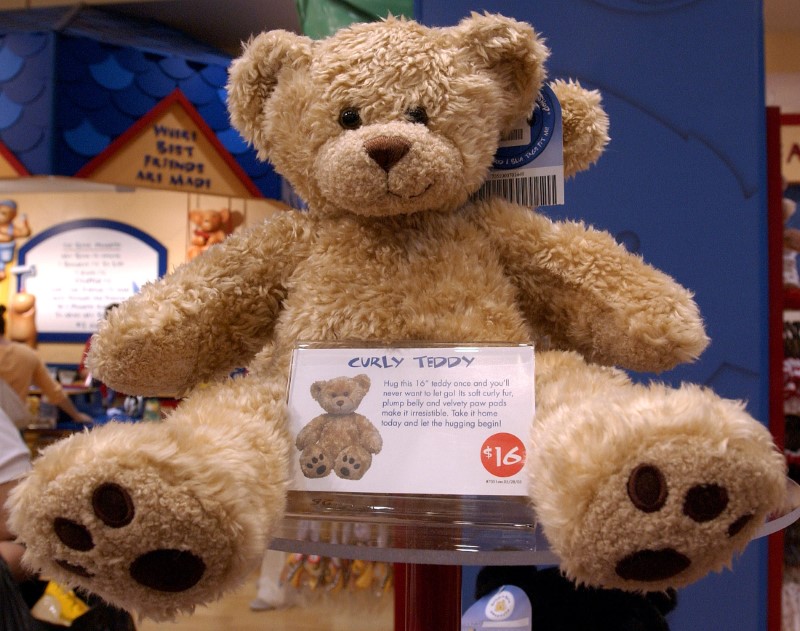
<point x="159" y="517"/>
<point x="315" y="463"/>
<point x="645" y="487"/>
<point x="352" y="462"/>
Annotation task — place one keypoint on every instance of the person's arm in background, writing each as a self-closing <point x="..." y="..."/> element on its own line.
<point x="10" y="550"/>
<point x="52" y="390"/>
<point x="15" y="460"/>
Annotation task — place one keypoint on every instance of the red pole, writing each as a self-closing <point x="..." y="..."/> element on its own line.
<point x="427" y="597"/>
<point x="775" y="345"/>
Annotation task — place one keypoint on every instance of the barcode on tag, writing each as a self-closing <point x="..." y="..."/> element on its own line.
<point x="518" y="136"/>
<point x="531" y="191"/>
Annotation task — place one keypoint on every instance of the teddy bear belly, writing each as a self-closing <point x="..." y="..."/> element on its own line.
<point x="365" y="321"/>
<point x="337" y="438"/>
<point x="458" y="294"/>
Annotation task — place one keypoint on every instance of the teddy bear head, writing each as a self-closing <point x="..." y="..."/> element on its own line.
<point x="340" y="395"/>
<point x="386" y="118"/>
<point x="210" y="220"/>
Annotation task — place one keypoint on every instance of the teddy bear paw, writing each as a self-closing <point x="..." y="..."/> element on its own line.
<point x="648" y="490"/>
<point x="665" y="502"/>
<point x="353" y="462"/>
<point x="314" y="463"/>
<point x="133" y="532"/>
<point x="162" y="569"/>
<point x="660" y="525"/>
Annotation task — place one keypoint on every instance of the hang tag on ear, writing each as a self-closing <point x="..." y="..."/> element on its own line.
<point x="528" y="168"/>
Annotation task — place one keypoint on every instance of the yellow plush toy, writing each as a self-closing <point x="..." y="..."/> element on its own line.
<point x="387" y="130"/>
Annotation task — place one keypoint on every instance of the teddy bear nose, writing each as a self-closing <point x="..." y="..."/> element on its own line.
<point x="387" y="150"/>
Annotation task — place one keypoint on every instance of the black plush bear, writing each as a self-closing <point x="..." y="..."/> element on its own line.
<point x="558" y="604"/>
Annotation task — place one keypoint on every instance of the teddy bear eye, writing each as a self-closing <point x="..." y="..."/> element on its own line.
<point x="417" y="115"/>
<point x="349" y="118"/>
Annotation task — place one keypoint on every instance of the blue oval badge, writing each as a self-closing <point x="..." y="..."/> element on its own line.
<point x="526" y="140"/>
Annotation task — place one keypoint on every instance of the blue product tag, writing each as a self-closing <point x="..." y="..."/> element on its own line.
<point x="528" y="168"/>
<point x="507" y="607"/>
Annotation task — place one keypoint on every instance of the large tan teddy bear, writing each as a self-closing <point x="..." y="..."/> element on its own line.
<point x="387" y="130"/>
<point x="340" y="440"/>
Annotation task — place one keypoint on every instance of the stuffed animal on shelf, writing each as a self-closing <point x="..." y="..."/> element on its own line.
<point x="387" y="130"/>
<point x="210" y="227"/>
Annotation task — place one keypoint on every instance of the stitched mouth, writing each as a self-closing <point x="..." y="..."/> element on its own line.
<point x="393" y="194"/>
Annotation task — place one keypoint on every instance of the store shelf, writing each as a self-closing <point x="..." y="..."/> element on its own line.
<point x="426" y="529"/>
<point x="435" y="529"/>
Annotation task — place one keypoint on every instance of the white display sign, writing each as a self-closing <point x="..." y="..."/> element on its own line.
<point x="438" y="420"/>
<point x="75" y="270"/>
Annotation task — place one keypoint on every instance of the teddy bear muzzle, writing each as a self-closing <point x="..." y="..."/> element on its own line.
<point x="387" y="151"/>
<point x="390" y="168"/>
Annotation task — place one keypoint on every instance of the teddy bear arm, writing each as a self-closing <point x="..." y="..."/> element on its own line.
<point x="311" y="431"/>
<point x="584" y="291"/>
<point x="369" y="436"/>
<point x="585" y="125"/>
<point x="209" y="316"/>
<point x="216" y="237"/>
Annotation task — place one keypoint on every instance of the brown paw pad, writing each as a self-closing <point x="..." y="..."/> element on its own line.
<point x="168" y="570"/>
<point x="74" y="568"/>
<point x="652" y="565"/>
<point x="736" y="527"/>
<point x="316" y="466"/>
<point x="349" y="467"/>
<point x="72" y="534"/>
<point x="113" y="505"/>
<point x="705" y="502"/>
<point x="647" y="488"/>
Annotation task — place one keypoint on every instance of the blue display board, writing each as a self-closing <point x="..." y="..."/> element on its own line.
<point x="683" y="182"/>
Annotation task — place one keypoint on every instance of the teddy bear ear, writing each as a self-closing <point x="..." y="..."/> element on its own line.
<point x="585" y="125"/>
<point x="253" y="76"/>
<point x="363" y="381"/>
<point x="513" y="54"/>
<point x="316" y="389"/>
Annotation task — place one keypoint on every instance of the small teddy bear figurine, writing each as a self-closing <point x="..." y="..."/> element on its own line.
<point x="339" y="440"/>
<point x="387" y="130"/>
<point x="210" y="227"/>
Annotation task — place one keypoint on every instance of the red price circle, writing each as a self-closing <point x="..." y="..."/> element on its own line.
<point x="503" y="455"/>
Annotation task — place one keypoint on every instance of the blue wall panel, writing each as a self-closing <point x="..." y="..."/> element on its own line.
<point x="683" y="182"/>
